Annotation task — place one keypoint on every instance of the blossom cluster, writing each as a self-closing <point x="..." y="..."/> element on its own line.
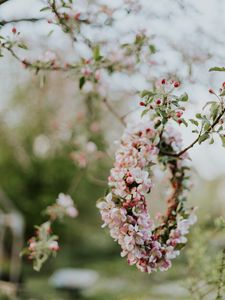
<point x="64" y="206"/>
<point x="124" y="209"/>
<point x="44" y="243"/>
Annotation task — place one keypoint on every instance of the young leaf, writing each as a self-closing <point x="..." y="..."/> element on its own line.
<point x="198" y="116"/>
<point x="144" y="112"/>
<point x="152" y="49"/>
<point x="209" y="102"/>
<point x="96" y="53"/>
<point x="23" y="46"/>
<point x="184" y="122"/>
<point x="219" y="69"/>
<point x="223" y="140"/>
<point x="207" y="126"/>
<point x="82" y="82"/>
<point x="147" y="93"/>
<point x="211" y="141"/>
<point x="184" y="97"/>
<point x="144" y="93"/>
<point x="223" y="93"/>
<point x="45" y="8"/>
<point x="195" y="122"/>
<point x="203" y="138"/>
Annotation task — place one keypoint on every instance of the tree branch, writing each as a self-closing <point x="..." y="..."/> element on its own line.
<point x="207" y="131"/>
<point x="113" y="112"/>
<point x="197" y="139"/>
<point x="2" y="23"/>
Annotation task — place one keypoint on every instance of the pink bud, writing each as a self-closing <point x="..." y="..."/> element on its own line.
<point x="77" y="16"/>
<point x="179" y="114"/>
<point x="130" y="180"/>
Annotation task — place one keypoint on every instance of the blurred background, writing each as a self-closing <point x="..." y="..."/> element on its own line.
<point x="56" y="138"/>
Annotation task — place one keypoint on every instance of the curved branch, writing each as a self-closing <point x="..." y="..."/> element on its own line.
<point x="207" y="131"/>
<point x="198" y="137"/>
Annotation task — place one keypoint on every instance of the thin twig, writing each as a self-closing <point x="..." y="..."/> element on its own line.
<point x="4" y="22"/>
<point x="113" y="112"/>
<point x="128" y="113"/>
<point x="197" y="139"/>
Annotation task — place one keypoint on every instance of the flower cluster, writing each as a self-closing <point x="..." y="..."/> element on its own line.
<point x="45" y="243"/>
<point x="64" y="206"/>
<point x="124" y="209"/>
<point x="42" y="245"/>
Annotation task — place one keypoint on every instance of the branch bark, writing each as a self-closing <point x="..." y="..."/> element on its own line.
<point x="2" y="23"/>
<point x="113" y="112"/>
<point x="198" y="137"/>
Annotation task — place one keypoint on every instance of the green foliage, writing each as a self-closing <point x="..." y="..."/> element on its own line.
<point x="206" y="276"/>
<point x="218" y="69"/>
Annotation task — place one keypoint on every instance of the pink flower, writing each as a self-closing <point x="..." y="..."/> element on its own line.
<point x="124" y="209"/>
<point x="54" y="246"/>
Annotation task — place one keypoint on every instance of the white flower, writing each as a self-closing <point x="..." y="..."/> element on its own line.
<point x="64" y="200"/>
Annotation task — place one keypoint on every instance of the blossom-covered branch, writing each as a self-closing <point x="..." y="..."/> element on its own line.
<point x="164" y="106"/>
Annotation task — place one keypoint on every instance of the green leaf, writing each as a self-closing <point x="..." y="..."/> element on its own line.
<point x="208" y="103"/>
<point x="198" y="116"/>
<point x="157" y="124"/>
<point x="207" y="126"/>
<point x="184" y="97"/>
<point x="193" y="121"/>
<point x="203" y="138"/>
<point x="152" y="49"/>
<point x="214" y="110"/>
<point x="218" y="69"/>
<point x="82" y="82"/>
<point x="223" y="140"/>
<point x="145" y="93"/>
<point x="211" y="141"/>
<point x="144" y="112"/>
<point x="45" y="8"/>
<point x="179" y="246"/>
<point x="96" y="53"/>
<point x="50" y="33"/>
<point x="223" y="93"/>
<point x="220" y="222"/>
<point x="184" y="122"/>
<point x="23" y="46"/>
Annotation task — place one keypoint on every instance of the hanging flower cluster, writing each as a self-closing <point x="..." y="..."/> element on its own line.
<point x="124" y="209"/>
